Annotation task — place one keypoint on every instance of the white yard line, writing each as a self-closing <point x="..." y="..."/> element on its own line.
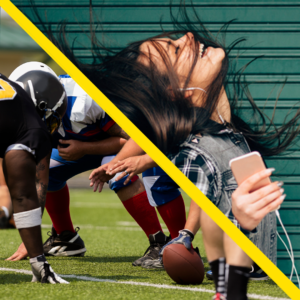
<point x="100" y="227"/>
<point x="160" y="286"/>
<point x="88" y="226"/>
<point x="97" y="204"/>
<point x="116" y="205"/>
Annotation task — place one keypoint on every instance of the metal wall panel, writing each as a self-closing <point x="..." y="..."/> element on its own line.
<point x="272" y="29"/>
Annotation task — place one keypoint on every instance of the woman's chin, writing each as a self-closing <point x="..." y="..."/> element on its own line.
<point x="216" y="55"/>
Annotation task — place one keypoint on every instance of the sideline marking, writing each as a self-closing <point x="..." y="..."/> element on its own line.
<point x="160" y="286"/>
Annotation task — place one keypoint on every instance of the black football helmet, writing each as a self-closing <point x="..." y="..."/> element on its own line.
<point x="47" y="93"/>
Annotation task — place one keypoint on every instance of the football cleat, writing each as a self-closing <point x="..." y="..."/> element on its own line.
<point x="158" y="263"/>
<point x="42" y="271"/>
<point x="153" y="264"/>
<point x="65" y="244"/>
<point x="157" y="241"/>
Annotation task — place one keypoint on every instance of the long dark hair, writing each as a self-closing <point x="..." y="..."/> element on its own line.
<point x="153" y="100"/>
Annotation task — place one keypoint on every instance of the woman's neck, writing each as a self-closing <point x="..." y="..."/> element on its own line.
<point x="223" y="108"/>
<point x="223" y="111"/>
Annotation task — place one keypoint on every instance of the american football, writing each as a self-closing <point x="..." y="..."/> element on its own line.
<point x="182" y="265"/>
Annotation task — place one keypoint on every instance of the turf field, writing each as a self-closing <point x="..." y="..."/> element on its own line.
<point x="113" y="241"/>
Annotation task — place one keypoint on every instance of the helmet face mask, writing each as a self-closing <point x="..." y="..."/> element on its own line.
<point x="45" y="90"/>
<point x="53" y="122"/>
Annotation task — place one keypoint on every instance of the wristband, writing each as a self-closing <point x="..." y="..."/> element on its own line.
<point x="187" y="232"/>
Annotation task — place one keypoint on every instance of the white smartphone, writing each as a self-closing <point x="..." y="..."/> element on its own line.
<point x="247" y="165"/>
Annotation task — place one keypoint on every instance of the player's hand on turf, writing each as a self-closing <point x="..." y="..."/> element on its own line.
<point x="21" y="253"/>
<point x="42" y="271"/>
<point x="74" y="151"/>
<point x="98" y="177"/>
<point x="250" y="208"/>
<point x="131" y="166"/>
<point x="185" y="238"/>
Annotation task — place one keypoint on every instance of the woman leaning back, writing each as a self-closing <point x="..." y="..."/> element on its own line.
<point x="204" y="158"/>
<point x="174" y="91"/>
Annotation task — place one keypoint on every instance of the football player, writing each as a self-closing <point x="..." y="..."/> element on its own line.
<point x="32" y="104"/>
<point x="88" y="138"/>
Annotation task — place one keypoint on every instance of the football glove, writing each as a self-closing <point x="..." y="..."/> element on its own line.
<point x="185" y="238"/>
<point x="42" y="271"/>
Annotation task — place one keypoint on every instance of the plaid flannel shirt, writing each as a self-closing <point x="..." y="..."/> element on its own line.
<point x="192" y="165"/>
<point x="201" y="173"/>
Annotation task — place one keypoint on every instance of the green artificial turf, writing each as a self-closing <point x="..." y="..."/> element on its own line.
<point x="113" y="240"/>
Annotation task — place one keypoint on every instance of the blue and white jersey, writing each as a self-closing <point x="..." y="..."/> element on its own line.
<point x="84" y="120"/>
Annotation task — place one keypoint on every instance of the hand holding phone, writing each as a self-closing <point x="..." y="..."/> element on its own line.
<point x="246" y="166"/>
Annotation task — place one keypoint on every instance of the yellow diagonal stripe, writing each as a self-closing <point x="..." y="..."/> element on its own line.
<point x="273" y="272"/>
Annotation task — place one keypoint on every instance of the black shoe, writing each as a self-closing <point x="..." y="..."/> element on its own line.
<point x="157" y="241"/>
<point x="65" y="244"/>
<point x="48" y="244"/>
<point x="255" y="274"/>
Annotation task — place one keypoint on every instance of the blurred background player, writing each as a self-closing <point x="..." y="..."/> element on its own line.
<point x="25" y="126"/>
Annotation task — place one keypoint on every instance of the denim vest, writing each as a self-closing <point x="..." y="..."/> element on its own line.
<point x="218" y="150"/>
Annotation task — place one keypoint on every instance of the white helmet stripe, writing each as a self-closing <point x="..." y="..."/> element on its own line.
<point x="59" y="103"/>
<point x="56" y="106"/>
<point x="32" y="92"/>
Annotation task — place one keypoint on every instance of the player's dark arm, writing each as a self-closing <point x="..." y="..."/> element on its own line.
<point x="20" y="171"/>
<point x="41" y="180"/>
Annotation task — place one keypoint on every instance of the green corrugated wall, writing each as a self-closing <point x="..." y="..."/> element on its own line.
<point x="272" y="29"/>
